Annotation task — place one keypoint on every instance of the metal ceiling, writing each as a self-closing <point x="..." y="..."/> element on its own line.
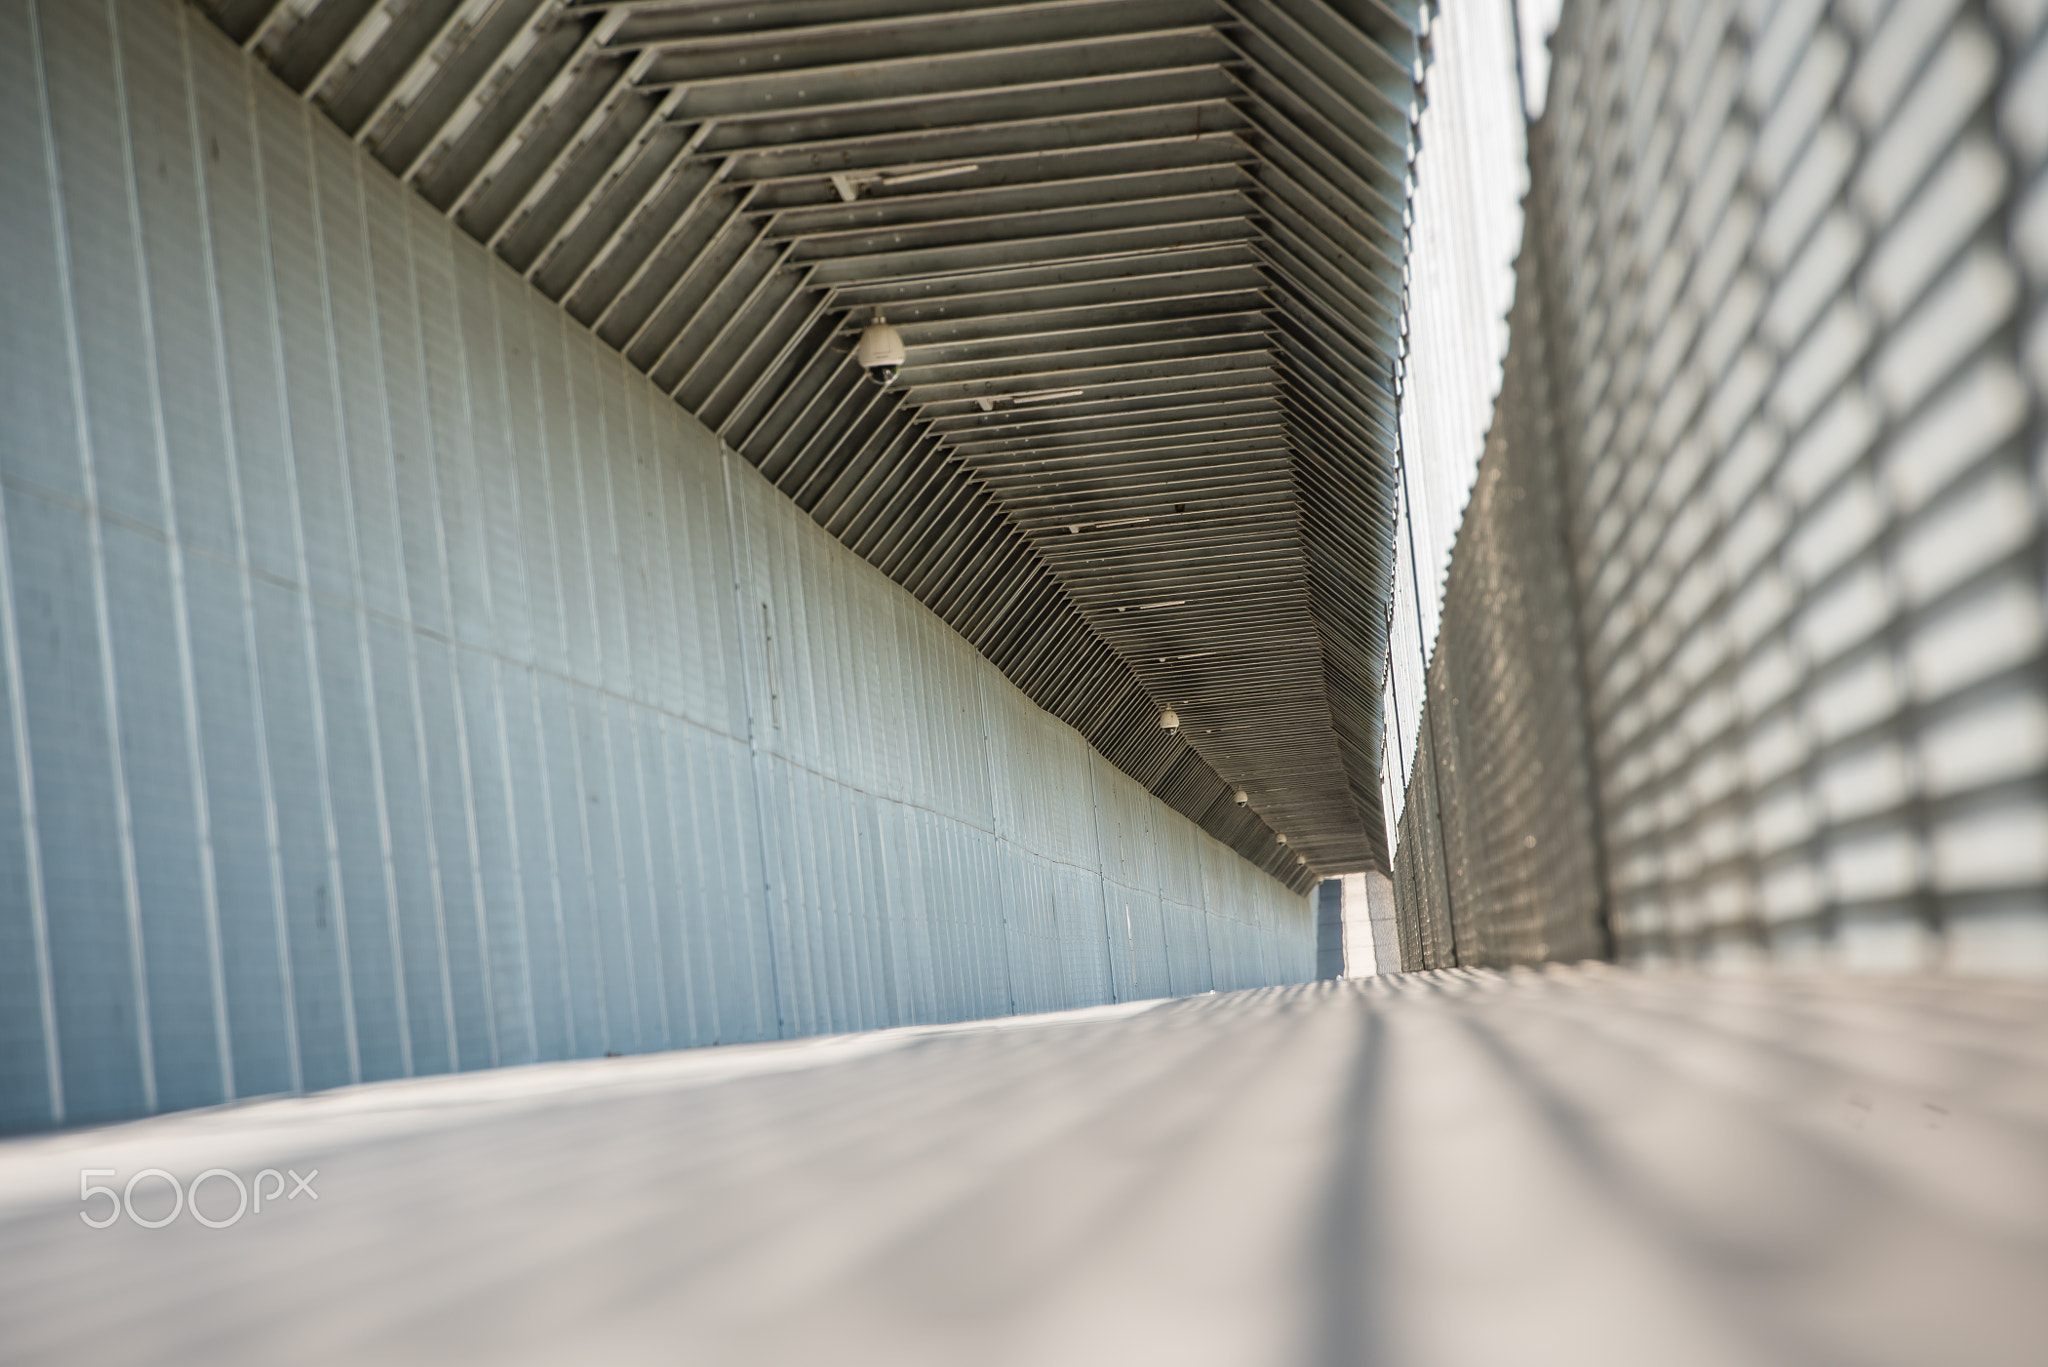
<point x="1147" y="256"/>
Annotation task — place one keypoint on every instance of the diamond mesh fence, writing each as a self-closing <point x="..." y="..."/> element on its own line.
<point x="1743" y="641"/>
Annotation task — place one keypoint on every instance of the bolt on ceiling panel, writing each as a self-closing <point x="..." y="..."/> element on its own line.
<point x="1147" y="259"/>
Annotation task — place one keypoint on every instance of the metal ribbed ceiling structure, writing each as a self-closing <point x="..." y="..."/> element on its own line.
<point x="1146" y="255"/>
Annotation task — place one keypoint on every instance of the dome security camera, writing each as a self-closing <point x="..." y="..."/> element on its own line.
<point x="879" y="353"/>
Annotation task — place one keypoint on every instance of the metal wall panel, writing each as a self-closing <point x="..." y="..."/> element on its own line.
<point x="1745" y="653"/>
<point x="396" y="682"/>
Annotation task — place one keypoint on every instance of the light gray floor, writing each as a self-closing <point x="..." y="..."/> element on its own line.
<point x="1580" y="1166"/>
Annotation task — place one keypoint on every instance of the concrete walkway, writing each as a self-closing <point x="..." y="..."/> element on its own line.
<point x="1579" y="1166"/>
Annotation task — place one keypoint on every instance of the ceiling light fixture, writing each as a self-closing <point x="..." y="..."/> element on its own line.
<point x="912" y="177"/>
<point x="852" y="184"/>
<point x="1076" y="528"/>
<point x="1046" y="396"/>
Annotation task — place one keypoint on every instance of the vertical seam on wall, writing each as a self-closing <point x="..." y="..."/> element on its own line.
<point x="604" y="755"/>
<point x="609" y="758"/>
<point x="1159" y="887"/>
<point x="24" y="778"/>
<point x="861" y="807"/>
<point x="600" y="471"/>
<point x="486" y="974"/>
<point x="995" y="825"/>
<point x="668" y="1037"/>
<point x="408" y="629"/>
<point x="739" y="598"/>
<point x="682" y="810"/>
<point x="331" y="339"/>
<point x="239" y="519"/>
<point x="455" y="646"/>
<point x="32" y="860"/>
<point x="24" y="774"/>
<point x="653" y="907"/>
<point x="676" y="541"/>
<point x="885" y="915"/>
<point x="546" y="792"/>
<point x="316" y="699"/>
<point x="485" y="578"/>
<point x="1101" y="873"/>
<point x="124" y="816"/>
<point x="571" y="1045"/>
<point x="899" y="975"/>
<point x="181" y="624"/>
<point x="582" y="522"/>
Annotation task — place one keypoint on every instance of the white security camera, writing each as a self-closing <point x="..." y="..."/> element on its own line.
<point x="879" y="353"/>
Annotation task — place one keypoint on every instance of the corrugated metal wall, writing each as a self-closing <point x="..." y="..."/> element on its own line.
<point x="1778" y="359"/>
<point x="396" y="682"/>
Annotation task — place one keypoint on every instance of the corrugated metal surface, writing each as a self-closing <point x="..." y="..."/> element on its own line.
<point x="1146" y="254"/>
<point x="1781" y="365"/>
<point x="397" y="682"/>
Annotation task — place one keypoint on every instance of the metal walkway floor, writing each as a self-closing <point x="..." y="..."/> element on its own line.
<point x="1578" y="1166"/>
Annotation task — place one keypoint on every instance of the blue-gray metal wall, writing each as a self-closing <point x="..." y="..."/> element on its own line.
<point x="395" y="682"/>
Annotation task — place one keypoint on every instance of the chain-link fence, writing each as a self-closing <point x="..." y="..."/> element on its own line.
<point x="1742" y="651"/>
